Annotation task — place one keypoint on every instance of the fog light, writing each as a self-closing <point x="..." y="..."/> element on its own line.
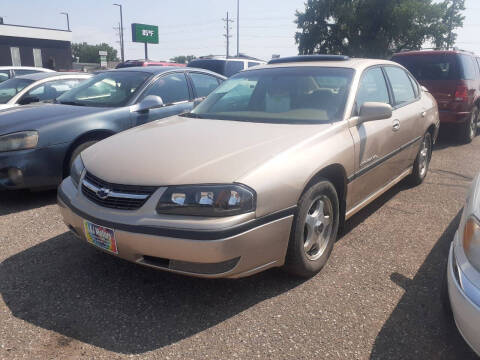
<point x="15" y="175"/>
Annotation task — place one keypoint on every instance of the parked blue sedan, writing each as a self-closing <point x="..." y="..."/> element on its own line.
<point x="39" y="142"/>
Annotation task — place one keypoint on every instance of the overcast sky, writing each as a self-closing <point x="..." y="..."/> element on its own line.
<point x="189" y="26"/>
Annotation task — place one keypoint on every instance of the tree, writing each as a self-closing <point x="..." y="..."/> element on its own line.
<point x="375" y="28"/>
<point x="89" y="53"/>
<point x="183" y="59"/>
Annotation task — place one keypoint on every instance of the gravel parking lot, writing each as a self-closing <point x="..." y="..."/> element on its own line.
<point x="378" y="297"/>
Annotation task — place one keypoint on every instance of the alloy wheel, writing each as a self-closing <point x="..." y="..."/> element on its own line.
<point x="318" y="227"/>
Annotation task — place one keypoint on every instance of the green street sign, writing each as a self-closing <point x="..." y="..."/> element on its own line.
<point x="145" y="33"/>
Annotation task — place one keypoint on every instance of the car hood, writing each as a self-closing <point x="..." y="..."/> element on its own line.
<point x="33" y="117"/>
<point x="180" y="150"/>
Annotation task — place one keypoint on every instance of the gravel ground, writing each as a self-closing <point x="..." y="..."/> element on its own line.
<point x="377" y="298"/>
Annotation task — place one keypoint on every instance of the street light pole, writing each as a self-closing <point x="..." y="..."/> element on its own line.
<point x="68" y="20"/>
<point x="122" y="49"/>
<point x="238" y="27"/>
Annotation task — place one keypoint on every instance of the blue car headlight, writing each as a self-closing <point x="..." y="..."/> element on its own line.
<point x="76" y="170"/>
<point x="207" y="200"/>
<point x="19" y="141"/>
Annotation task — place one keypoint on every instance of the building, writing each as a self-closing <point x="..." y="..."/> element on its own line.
<point x="34" y="46"/>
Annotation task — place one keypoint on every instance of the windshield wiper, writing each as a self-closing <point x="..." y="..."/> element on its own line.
<point x="71" y="103"/>
<point x="192" y="115"/>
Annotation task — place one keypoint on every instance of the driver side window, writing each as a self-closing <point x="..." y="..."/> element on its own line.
<point x="372" y="88"/>
<point x="171" y="88"/>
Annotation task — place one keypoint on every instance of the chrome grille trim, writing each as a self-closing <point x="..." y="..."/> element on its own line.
<point x="114" y="194"/>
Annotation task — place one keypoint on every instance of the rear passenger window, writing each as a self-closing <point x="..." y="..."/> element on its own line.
<point x="253" y="63"/>
<point x="416" y="90"/>
<point x="401" y="85"/>
<point x="204" y="84"/>
<point x="467" y="66"/>
<point x="372" y="88"/>
<point x="171" y="88"/>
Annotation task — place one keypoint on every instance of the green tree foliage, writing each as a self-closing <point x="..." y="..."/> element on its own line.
<point x="376" y="28"/>
<point x="89" y="53"/>
<point x="183" y="59"/>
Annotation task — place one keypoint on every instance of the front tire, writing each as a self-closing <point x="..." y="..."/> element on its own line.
<point x="314" y="230"/>
<point x="77" y="152"/>
<point x="422" y="162"/>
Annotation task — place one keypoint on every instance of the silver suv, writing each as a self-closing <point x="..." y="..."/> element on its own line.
<point x="260" y="174"/>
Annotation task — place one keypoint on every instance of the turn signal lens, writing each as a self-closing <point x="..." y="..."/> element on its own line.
<point x="471" y="242"/>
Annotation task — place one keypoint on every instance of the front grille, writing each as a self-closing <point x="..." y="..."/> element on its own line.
<point x="123" y="197"/>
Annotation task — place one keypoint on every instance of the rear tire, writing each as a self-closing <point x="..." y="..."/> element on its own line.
<point x="422" y="161"/>
<point x="314" y="230"/>
<point x="77" y="152"/>
<point x="469" y="128"/>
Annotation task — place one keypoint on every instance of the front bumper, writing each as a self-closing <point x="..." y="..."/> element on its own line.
<point x="33" y="168"/>
<point x="237" y="251"/>
<point x="464" y="298"/>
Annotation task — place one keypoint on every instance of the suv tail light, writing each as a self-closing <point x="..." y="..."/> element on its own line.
<point x="461" y="93"/>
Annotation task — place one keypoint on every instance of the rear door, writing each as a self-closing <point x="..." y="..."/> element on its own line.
<point x="175" y="93"/>
<point x="407" y="113"/>
<point x="203" y="84"/>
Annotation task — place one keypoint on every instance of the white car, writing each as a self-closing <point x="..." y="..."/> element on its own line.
<point x="8" y="72"/>
<point x="463" y="274"/>
<point x="37" y="87"/>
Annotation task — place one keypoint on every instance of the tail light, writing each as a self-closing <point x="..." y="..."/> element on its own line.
<point x="461" y="93"/>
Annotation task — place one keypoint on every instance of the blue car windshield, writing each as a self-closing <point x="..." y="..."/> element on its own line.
<point x="10" y="88"/>
<point x="108" y="89"/>
<point x="300" y="94"/>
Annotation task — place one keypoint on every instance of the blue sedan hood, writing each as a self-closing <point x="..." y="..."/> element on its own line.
<point x="34" y="117"/>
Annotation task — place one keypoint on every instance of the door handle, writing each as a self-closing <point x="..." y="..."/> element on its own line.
<point x="424" y="113"/>
<point x="396" y="125"/>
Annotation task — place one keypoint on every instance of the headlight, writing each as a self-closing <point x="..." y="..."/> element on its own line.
<point x="19" y="141"/>
<point x="76" y="170"/>
<point x="471" y="241"/>
<point x="207" y="200"/>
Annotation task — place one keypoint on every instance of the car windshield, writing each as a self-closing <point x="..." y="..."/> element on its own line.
<point x="287" y="95"/>
<point x="10" y="88"/>
<point x="108" y="89"/>
<point x="430" y="66"/>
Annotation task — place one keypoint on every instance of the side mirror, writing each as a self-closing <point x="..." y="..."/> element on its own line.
<point x="371" y="111"/>
<point x="149" y="102"/>
<point x="197" y="101"/>
<point x="28" y="100"/>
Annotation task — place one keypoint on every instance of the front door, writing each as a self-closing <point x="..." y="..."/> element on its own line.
<point x="375" y="141"/>
<point x="173" y="90"/>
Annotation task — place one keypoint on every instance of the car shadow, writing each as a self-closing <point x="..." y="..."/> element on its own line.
<point x="419" y="327"/>
<point x="66" y="286"/>
<point x="13" y="201"/>
<point x="447" y="137"/>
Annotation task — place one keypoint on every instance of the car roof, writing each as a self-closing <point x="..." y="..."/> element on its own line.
<point x="352" y="63"/>
<point x="45" y="75"/>
<point x="162" y="69"/>
<point x="25" y="68"/>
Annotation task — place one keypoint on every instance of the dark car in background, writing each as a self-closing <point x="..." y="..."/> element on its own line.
<point x="39" y="142"/>
<point x="453" y="78"/>
<point x="223" y="66"/>
<point x="135" y="63"/>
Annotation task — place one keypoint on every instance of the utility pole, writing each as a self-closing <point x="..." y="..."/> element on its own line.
<point x="238" y="28"/>
<point x="227" y="35"/>
<point x="122" y="48"/>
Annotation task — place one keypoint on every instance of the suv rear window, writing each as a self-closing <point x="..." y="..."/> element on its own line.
<point x="430" y="67"/>
<point x="214" y="65"/>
